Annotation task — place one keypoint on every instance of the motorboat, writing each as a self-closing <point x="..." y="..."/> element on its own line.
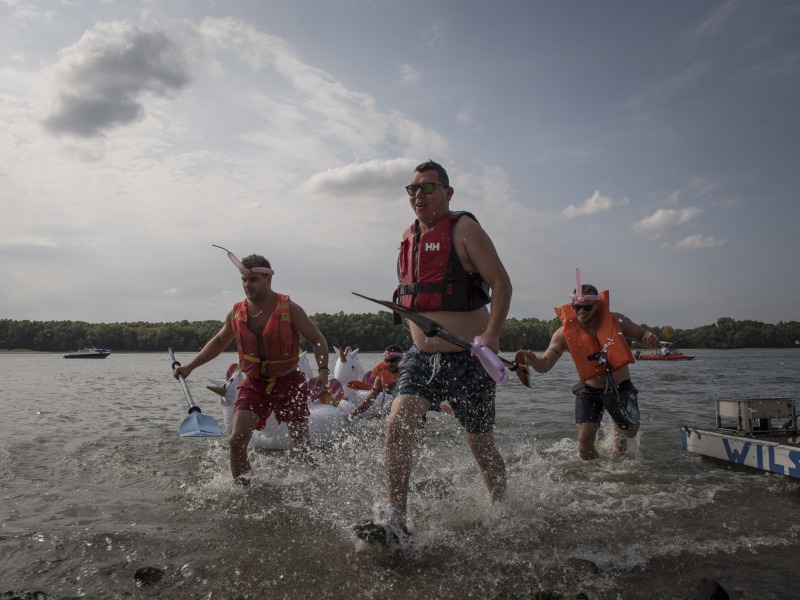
<point x="752" y="433"/>
<point x="667" y="351"/>
<point x="88" y="353"/>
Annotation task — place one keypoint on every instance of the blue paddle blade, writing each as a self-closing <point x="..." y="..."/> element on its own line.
<point x="199" y="425"/>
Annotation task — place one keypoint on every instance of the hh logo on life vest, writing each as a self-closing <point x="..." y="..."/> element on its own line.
<point x="432" y="247"/>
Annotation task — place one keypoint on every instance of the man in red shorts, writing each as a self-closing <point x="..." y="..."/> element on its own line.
<point x="267" y="327"/>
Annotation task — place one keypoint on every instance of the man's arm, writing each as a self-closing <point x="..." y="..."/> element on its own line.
<point x="637" y="332"/>
<point x="210" y="351"/>
<point x="481" y="257"/>
<point x="309" y="331"/>
<point x="545" y="362"/>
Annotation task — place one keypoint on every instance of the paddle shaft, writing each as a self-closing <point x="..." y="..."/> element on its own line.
<point x="431" y="328"/>
<point x="192" y="406"/>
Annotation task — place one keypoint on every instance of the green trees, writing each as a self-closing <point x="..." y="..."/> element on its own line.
<point x="371" y="332"/>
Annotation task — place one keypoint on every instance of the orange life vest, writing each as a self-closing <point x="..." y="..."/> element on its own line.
<point x="388" y="379"/>
<point x="582" y="344"/>
<point x="281" y="341"/>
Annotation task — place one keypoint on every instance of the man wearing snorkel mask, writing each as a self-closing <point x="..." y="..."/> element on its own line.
<point x="595" y="338"/>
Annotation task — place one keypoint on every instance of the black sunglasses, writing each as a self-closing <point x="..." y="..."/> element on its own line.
<point x="427" y="188"/>
<point x="584" y="307"/>
<point x="392" y="360"/>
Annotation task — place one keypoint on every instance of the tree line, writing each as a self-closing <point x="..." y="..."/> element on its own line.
<point x="371" y="332"/>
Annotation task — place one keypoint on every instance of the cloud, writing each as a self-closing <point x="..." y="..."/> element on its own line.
<point x="466" y="114"/>
<point x="435" y="35"/>
<point x="594" y="204"/>
<point x="664" y="90"/>
<point x="107" y="74"/>
<point x="779" y="68"/>
<point x="695" y="242"/>
<point x="29" y="241"/>
<point x="361" y="179"/>
<point x="409" y="75"/>
<point x="716" y="19"/>
<point x="664" y="220"/>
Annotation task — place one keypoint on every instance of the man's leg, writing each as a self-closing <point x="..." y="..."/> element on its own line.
<point x="621" y="437"/>
<point x="407" y="412"/>
<point x="587" y="432"/>
<point x="301" y="443"/>
<point x="244" y="424"/>
<point x="490" y="462"/>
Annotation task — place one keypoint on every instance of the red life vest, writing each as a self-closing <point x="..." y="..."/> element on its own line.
<point x="281" y="341"/>
<point x="430" y="274"/>
<point x="582" y="344"/>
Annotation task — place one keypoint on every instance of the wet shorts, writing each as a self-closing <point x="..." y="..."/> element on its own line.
<point x="454" y="377"/>
<point x="589" y="401"/>
<point x="288" y="398"/>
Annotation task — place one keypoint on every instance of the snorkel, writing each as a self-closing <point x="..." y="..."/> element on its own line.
<point x="579" y="295"/>
<point x="242" y="269"/>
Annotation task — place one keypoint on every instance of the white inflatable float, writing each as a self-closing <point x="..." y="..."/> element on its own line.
<point x="349" y="370"/>
<point x="325" y="422"/>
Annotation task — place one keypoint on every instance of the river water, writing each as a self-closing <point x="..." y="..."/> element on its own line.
<point x="95" y="484"/>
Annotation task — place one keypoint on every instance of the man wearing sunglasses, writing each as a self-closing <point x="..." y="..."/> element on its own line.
<point x="590" y="329"/>
<point x="447" y="264"/>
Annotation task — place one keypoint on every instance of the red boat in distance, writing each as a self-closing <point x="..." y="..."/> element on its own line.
<point x="667" y="351"/>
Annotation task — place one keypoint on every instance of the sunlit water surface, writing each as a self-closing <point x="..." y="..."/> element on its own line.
<point x="96" y="484"/>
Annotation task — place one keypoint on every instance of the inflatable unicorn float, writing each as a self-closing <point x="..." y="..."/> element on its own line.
<point x="329" y="407"/>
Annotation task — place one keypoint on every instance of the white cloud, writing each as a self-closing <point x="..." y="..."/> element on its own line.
<point x="466" y="114"/>
<point x="594" y="204"/>
<point x="663" y="91"/>
<point x="409" y="75"/>
<point x="716" y="19"/>
<point x="361" y="179"/>
<point x="695" y="242"/>
<point x="664" y="220"/>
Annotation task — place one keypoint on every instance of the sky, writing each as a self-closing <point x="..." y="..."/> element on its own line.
<point x="653" y="145"/>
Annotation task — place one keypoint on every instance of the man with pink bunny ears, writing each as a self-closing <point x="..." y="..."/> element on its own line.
<point x="596" y="340"/>
<point x="267" y="327"/>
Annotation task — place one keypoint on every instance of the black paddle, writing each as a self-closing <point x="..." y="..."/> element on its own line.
<point x="433" y="329"/>
<point x="196" y="424"/>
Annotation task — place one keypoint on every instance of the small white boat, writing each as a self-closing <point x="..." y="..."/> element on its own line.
<point x="88" y="353"/>
<point x="752" y="433"/>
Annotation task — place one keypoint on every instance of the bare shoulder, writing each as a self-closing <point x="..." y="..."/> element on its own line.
<point x="468" y="226"/>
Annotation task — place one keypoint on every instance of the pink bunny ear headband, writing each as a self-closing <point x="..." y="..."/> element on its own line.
<point x="578" y="295"/>
<point x="393" y="354"/>
<point x="242" y="269"/>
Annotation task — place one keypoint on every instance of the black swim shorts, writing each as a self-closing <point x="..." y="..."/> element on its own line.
<point x="589" y="401"/>
<point x="454" y="377"/>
